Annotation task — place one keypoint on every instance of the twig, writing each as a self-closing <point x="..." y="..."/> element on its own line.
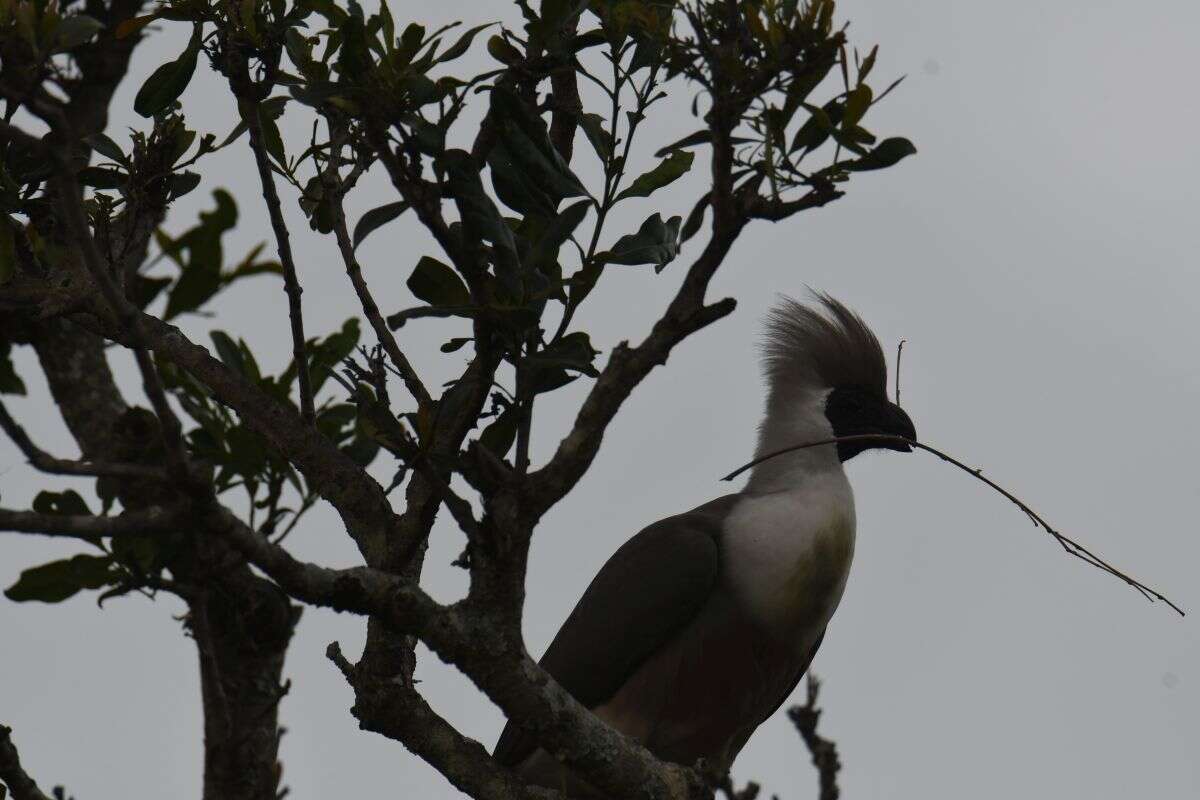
<point x="1068" y="544"/>
<point x="249" y="113"/>
<point x="150" y="520"/>
<point x="407" y="373"/>
<point x="12" y="774"/>
<point x="47" y="463"/>
<point x="899" y="352"/>
<point x="824" y="751"/>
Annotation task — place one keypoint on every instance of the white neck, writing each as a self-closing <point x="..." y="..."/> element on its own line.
<point x="792" y="418"/>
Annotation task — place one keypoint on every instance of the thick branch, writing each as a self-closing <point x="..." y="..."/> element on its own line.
<point x="131" y="523"/>
<point x="464" y="637"/>
<point x="12" y="774"/>
<point x="400" y="713"/>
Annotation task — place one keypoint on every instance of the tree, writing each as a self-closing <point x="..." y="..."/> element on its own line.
<point x="198" y="491"/>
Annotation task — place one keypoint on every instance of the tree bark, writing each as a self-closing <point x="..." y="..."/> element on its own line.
<point x="241" y="623"/>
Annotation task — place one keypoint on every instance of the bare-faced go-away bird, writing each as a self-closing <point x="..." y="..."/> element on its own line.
<point x="699" y="627"/>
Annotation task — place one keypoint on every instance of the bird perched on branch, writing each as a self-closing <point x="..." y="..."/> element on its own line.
<point x="698" y="628"/>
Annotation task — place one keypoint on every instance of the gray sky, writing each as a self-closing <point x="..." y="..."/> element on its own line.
<point x="1039" y="258"/>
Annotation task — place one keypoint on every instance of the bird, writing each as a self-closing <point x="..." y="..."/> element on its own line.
<point x="698" y="628"/>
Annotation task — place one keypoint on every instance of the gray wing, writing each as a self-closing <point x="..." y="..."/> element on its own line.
<point x="649" y="589"/>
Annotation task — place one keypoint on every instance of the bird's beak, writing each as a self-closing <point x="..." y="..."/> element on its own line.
<point x="896" y="422"/>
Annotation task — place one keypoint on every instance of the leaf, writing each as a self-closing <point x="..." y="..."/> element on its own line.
<point x="818" y="127"/>
<point x="76" y="30"/>
<point x="68" y="502"/>
<point x="58" y="580"/>
<point x="464" y="42"/>
<point x="272" y="141"/>
<point x="524" y="134"/>
<point x="498" y="437"/>
<point x="106" y="147"/>
<point x="502" y="51"/>
<point x="182" y="183"/>
<point x="198" y="283"/>
<point x="516" y="187"/>
<point x="573" y="351"/>
<point x="166" y="83"/>
<point x="455" y="344"/>
<point x="857" y="103"/>
<point x="669" y="170"/>
<point x="101" y="178"/>
<point x="376" y="218"/>
<point x="557" y="232"/>
<point x="692" y="225"/>
<point x="886" y="153"/>
<point x="480" y="215"/>
<point x="228" y="351"/>
<point x="598" y="135"/>
<point x="656" y="242"/>
<point x="437" y="284"/>
<point x="691" y="140"/>
<point x="133" y="25"/>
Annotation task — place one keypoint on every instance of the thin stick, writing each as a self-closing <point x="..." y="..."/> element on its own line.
<point x="291" y="284"/>
<point x="899" y="352"/>
<point x="43" y="461"/>
<point x="1068" y="544"/>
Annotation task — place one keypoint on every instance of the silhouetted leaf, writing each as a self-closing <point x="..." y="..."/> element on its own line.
<point x="464" y="42"/>
<point x="106" y="147"/>
<point x="669" y="170"/>
<point x="68" y="502"/>
<point x="598" y="135"/>
<point x="499" y="435"/>
<point x="437" y="284"/>
<point x="182" y="183"/>
<point x="692" y="225"/>
<point x="76" y="30"/>
<point x="455" y="344"/>
<point x="573" y="351"/>
<point x="166" y="83"/>
<point x="101" y="177"/>
<point x="376" y="218"/>
<point x="228" y="351"/>
<point x="885" y="154"/>
<point x="58" y="580"/>
<point x="561" y="226"/>
<point x="656" y="242"/>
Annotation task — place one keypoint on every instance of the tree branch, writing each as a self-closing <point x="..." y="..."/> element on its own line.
<point x="249" y="114"/>
<point x="12" y="774"/>
<point x="155" y="519"/>
<point x="400" y="713"/>
<point x="47" y="463"/>
<point x="824" y="751"/>
<point x="354" y="271"/>
<point x="464" y="636"/>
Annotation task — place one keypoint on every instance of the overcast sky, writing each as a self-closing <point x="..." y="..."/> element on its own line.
<point x="1038" y="254"/>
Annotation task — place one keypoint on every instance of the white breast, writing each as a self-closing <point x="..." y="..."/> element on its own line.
<point x="787" y="555"/>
